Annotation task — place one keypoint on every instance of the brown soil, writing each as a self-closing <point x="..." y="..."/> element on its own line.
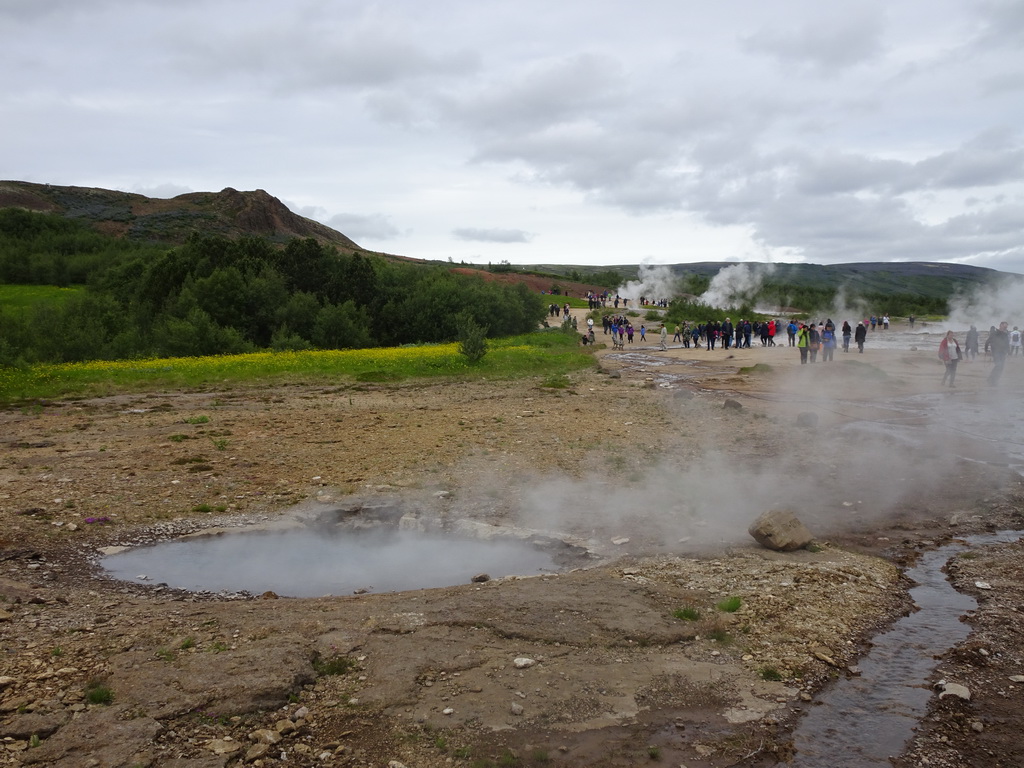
<point x="641" y="460"/>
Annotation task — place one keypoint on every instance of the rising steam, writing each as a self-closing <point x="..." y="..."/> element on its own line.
<point x="654" y="282"/>
<point x="736" y="285"/>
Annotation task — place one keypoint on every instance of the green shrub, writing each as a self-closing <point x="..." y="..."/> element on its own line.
<point x="730" y="604"/>
<point x="689" y="613"/>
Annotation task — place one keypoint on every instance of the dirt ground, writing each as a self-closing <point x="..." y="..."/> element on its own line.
<point x="653" y="462"/>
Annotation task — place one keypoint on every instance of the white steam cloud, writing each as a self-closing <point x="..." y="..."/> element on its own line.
<point x="654" y="282"/>
<point x="987" y="307"/>
<point x="736" y="284"/>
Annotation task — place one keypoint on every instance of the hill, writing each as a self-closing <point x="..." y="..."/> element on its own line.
<point x="229" y="213"/>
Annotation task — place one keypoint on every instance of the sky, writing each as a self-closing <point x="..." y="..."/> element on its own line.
<point x="592" y="133"/>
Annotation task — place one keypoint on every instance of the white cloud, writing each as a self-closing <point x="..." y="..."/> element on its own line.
<point x="492" y="235"/>
<point x="584" y="132"/>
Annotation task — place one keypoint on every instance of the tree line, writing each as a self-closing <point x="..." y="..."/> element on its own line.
<point x="214" y="295"/>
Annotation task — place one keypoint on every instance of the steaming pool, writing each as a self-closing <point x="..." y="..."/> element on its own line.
<point x="304" y="562"/>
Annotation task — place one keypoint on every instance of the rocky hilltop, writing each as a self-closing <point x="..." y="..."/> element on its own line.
<point x="229" y="212"/>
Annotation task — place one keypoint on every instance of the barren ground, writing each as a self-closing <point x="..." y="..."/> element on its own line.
<point x="640" y="460"/>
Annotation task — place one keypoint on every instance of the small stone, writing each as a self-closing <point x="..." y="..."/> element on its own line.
<point x="223" y="746"/>
<point x="1013" y="679"/>
<point x="523" y="662"/>
<point x="480" y="578"/>
<point x="300" y="713"/>
<point x="517" y="708"/>
<point x="447" y="711"/>
<point x="977" y="726"/>
<point x="955" y="689"/>
<point x="620" y="541"/>
<point x="982" y="585"/>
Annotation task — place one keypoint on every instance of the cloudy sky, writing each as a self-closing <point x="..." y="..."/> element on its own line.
<point x="574" y="132"/>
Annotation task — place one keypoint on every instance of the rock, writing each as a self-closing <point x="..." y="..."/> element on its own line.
<point x="781" y="530"/>
<point x="223" y="746"/>
<point x="955" y="689"/>
<point x="6" y="616"/>
<point x="517" y="708"/>
<point x="1017" y="678"/>
<point x="620" y="541"/>
<point x="256" y="751"/>
<point x="265" y="736"/>
<point x="25" y="726"/>
<point x="6" y="682"/>
<point x="523" y="662"/>
<point x="807" y="420"/>
<point x="480" y="578"/>
<point x="447" y="711"/>
<point x="977" y="726"/>
<point x="300" y="714"/>
<point x="734" y="405"/>
<point x="395" y="764"/>
<point x="982" y="585"/>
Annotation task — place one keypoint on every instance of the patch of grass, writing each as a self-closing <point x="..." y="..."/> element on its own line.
<point x="97" y="693"/>
<point x="31" y="296"/>
<point x="770" y="673"/>
<point x="333" y="665"/>
<point x="201" y="468"/>
<point x="178" y="438"/>
<point x="508" y="759"/>
<point x="34" y="741"/>
<point x="730" y="604"/>
<point x="540" y="756"/>
<point x="57" y="651"/>
<point x="220" y="444"/>
<point x="556" y="381"/>
<point x="205" y="508"/>
<point x="720" y="635"/>
<point x="687" y="613"/>
<point x="188" y="642"/>
<point x="165" y="654"/>
<point x="197" y="420"/>
<point x="541" y="353"/>
<point x="654" y="752"/>
<point x="219" y="647"/>
<point x="758" y="368"/>
<point x="182" y="460"/>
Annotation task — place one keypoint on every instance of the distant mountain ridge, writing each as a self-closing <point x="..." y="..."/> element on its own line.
<point x="125" y="214"/>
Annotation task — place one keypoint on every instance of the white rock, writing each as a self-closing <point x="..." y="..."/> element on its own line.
<point x="523" y="662"/>
<point x="1013" y="679"/>
<point x="447" y="711"/>
<point x="955" y="689"/>
<point x="982" y="585"/>
<point x="517" y="708"/>
<point x="620" y="541"/>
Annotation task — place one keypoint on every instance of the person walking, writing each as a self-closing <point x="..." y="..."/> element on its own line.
<point x="803" y="342"/>
<point x="860" y="336"/>
<point x="971" y="343"/>
<point x="847" y="333"/>
<point x="663" y="333"/>
<point x="815" y="342"/>
<point x="949" y="353"/>
<point x="828" y="342"/>
<point x="999" y="343"/>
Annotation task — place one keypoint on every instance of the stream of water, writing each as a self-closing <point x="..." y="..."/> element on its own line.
<point x="861" y="721"/>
